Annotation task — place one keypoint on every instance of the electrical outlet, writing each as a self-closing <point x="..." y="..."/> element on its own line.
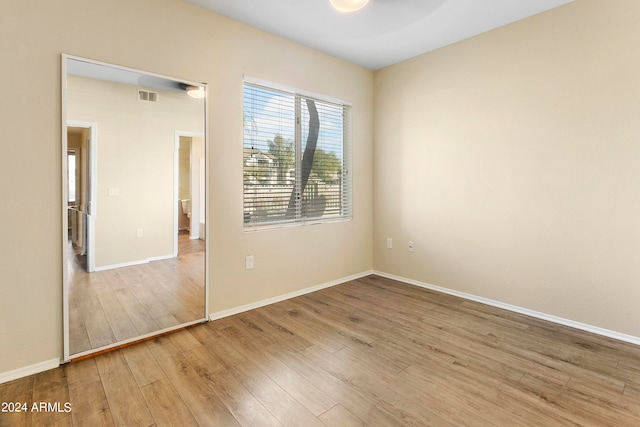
<point x="139" y="232"/>
<point x="248" y="262"/>
<point x="389" y="243"/>
<point x="411" y="247"/>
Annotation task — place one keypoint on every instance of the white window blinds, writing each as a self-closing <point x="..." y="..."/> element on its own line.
<point x="296" y="157"/>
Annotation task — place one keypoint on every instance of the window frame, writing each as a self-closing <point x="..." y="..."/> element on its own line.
<point x="346" y="177"/>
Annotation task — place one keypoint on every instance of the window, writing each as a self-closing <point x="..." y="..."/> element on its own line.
<point x="296" y="157"/>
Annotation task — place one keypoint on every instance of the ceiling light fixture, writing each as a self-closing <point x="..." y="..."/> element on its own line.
<point x="195" y="91"/>
<point x="348" y="5"/>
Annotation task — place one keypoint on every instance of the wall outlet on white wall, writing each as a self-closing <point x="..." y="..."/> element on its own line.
<point x="248" y="262"/>
<point x="412" y="246"/>
<point x="389" y="243"/>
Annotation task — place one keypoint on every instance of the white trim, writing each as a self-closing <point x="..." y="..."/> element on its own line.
<point x="122" y="264"/>
<point x="160" y="257"/>
<point x="64" y="205"/>
<point x="176" y="210"/>
<point x="293" y="90"/>
<point x="266" y="226"/>
<point x="273" y="300"/>
<point x="137" y="262"/>
<point x="207" y="203"/>
<point x="25" y="371"/>
<point x="516" y="309"/>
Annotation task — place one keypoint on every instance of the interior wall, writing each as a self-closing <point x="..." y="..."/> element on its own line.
<point x="134" y="174"/>
<point x="173" y="38"/>
<point x="511" y="160"/>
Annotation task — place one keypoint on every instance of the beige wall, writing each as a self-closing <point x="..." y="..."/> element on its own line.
<point x="509" y="158"/>
<point x="512" y="159"/>
<point x="184" y="172"/>
<point x="135" y="149"/>
<point x="173" y="38"/>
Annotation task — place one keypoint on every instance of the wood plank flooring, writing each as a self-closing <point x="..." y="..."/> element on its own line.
<point x="370" y="352"/>
<point x="106" y="307"/>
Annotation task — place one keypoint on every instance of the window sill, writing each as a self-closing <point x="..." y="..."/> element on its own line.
<point x="280" y="225"/>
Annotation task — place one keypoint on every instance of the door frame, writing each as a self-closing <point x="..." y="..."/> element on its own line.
<point x="92" y="161"/>
<point x="176" y="193"/>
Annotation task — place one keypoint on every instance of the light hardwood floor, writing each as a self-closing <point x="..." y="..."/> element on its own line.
<point x="370" y="352"/>
<point x="110" y="306"/>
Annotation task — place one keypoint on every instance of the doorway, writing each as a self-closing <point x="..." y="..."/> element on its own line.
<point x="81" y="160"/>
<point x="189" y="224"/>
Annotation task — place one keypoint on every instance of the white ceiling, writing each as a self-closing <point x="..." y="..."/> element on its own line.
<point x="383" y="32"/>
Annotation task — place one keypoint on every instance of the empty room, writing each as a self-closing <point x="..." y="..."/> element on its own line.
<point x="330" y="212"/>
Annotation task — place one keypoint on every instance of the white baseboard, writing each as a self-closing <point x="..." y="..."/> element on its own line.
<point x="160" y="258"/>
<point x="122" y="264"/>
<point x="29" y="370"/>
<point x="273" y="300"/>
<point x="543" y="316"/>
<point x="132" y="263"/>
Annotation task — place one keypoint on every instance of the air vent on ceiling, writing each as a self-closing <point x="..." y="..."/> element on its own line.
<point x="145" y="95"/>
